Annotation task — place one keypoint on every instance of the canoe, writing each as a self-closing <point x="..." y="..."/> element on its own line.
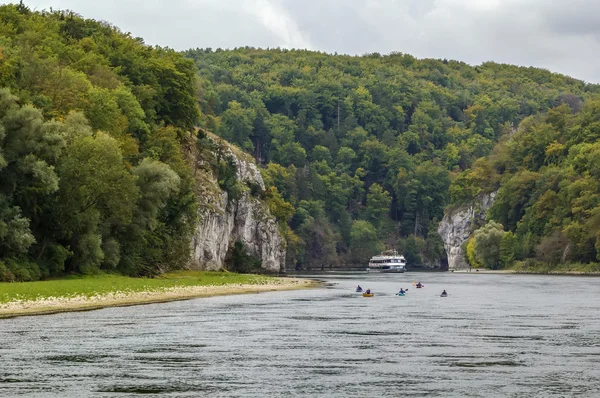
<point x="368" y="294"/>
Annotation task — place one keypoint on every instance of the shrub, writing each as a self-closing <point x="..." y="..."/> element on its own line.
<point x="239" y="260"/>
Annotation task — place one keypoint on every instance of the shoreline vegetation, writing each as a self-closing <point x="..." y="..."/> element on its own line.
<point x="102" y="291"/>
<point x="541" y="269"/>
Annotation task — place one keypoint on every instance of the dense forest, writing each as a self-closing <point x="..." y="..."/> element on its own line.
<point x="99" y="143"/>
<point x="367" y="152"/>
<point x="547" y="210"/>
<point x="92" y="126"/>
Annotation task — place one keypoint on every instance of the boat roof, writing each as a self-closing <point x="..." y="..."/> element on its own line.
<point x="380" y="256"/>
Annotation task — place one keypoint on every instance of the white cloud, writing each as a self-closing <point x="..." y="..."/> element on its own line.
<point x="277" y="20"/>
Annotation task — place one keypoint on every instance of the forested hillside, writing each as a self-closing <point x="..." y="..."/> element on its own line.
<point x="365" y="149"/>
<point x="547" y="210"/>
<point x="92" y="123"/>
<point x="98" y="138"/>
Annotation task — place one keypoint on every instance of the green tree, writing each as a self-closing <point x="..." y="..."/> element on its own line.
<point x="378" y="204"/>
<point x="238" y="124"/>
<point x="488" y="240"/>
<point x="508" y="249"/>
<point x="97" y="193"/>
<point x="364" y="242"/>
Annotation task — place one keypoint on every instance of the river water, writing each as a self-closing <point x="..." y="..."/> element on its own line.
<point x="495" y="335"/>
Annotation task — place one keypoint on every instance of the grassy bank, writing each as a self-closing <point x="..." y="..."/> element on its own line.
<point x="91" y="292"/>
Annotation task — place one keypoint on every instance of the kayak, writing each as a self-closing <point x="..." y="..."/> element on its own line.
<point x="400" y="294"/>
<point x="368" y="294"/>
<point x="359" y="291"/>
<point x="443" y="295"/>
<point x="420" y="287"/>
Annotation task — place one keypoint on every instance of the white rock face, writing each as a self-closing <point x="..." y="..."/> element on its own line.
<point x="456" y="228"/>
<point x="247" y="220"/>
<point x="248" y="173"/>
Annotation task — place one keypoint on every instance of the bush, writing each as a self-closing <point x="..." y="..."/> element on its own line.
<point x="5" y="274"/>
<point x="239" y="260"/>
<point x="255" y="189"/>
<point x="23" y="270"/>
<point x="470" y="250"/>
<point x="553" y="249"/>
<point x="227" y="178"/>
<point x="487" y="244"/>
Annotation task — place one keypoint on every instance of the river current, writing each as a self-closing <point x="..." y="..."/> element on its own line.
<point x="494" y="335"/>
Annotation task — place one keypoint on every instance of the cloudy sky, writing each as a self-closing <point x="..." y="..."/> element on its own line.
<point x="560" y="35"/>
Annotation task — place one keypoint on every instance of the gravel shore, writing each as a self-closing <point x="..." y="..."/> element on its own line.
<point x="52" y="305"/>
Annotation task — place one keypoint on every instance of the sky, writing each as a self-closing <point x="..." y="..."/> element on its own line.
<point x="560" y="35"/>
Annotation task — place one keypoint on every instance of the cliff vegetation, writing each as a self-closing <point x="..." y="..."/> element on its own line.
<point x="369" y="150"/>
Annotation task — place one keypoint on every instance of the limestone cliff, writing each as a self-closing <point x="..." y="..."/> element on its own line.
<point x="457" y="226"/>
<point x="223" y="220"/>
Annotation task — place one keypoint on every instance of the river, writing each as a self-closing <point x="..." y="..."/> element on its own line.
<point x="495" y="335"/>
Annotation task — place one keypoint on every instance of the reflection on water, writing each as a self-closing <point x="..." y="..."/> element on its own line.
<point x="495" y="335"/>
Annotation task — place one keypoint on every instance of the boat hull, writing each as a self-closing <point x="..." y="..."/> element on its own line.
<point x="368" y="294"/>
<point x="392" y="270"/>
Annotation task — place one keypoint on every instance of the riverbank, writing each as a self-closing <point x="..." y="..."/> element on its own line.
<point x="483" y="271"/>
<point x="541" y="269"/>
<point x="90" y="293"/>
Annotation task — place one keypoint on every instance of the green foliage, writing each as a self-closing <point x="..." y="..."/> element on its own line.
<point x="239" y="260"/>
<point x="226" y="172"/>
<point x="331" y="128"/>
<point x="470" y="253"/>
<point x="549" y="190"/>
<point x="434" y="247"/>
<point x="364" y="241"/>
<point x="509" y="249"/>
<point x="92" y="173"/>
<point x="237" y="124"/>
<point x="279" y="208"/>
<point x="378" y="204"/>
<point x="317" y="234"/>
<point x="487" y="244"/>
<point x="412" y="248"/>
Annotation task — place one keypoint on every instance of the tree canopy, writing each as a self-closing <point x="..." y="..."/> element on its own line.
<point x="99" y="154"/>
<point x="92" y="127"/>
<point x="548" y="183"/>
<point x="389" y="140"/>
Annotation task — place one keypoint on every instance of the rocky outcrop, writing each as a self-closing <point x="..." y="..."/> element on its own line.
<point x="247" y="219"/>
<point x="457" y="226"/>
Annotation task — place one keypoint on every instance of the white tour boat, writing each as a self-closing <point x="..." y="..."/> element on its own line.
<point x="388" y="261"/>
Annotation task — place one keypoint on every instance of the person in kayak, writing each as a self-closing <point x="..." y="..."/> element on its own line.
<point x="358" y="288"/>
<point x="419" y="284"/>
<point x="368" y="291"/>
<point x="444" y="293"/>
<point x="402" y="291"/>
